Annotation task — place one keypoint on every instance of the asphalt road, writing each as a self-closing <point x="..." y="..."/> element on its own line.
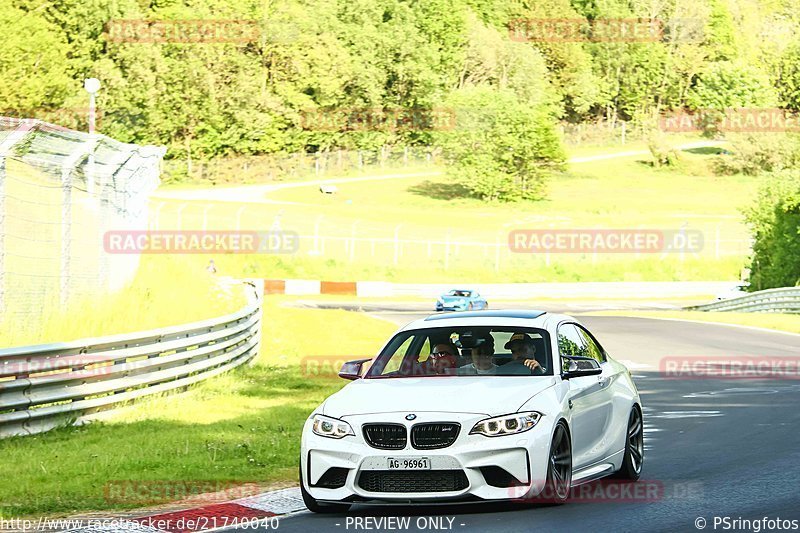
<point x="715" y="447"/>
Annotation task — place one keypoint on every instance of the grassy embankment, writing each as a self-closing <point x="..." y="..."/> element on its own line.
<point x="616" y="193"/>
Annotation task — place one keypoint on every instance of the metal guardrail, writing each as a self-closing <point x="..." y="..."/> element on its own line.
<point x="784" y="300"/>
<point x="51" y="385"/>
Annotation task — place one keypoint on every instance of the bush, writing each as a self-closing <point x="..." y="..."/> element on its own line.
<point x="664" y="155"/>
<point x="501" y="148"/>
<point x="753" y="154"/>
<point x="775" y="220"/>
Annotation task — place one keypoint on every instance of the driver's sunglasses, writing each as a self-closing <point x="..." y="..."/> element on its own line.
<point x="440" y="354"/>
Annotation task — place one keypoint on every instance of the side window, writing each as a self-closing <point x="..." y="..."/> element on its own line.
<point x="393" y="364"/>
<point x="593" y="350"/>
<point x="570" y="342"/>
<point x="425" y="351"/>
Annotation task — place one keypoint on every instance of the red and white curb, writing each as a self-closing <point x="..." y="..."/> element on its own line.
<point x="244" y="512"/>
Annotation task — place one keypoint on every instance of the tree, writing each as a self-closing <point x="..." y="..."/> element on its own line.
<point x="731" y="85"/>
<point x="775" y="221"/>
<point x="33" y="59"/>
<point x="501" y="148"/>
<point x="788" y="78"/>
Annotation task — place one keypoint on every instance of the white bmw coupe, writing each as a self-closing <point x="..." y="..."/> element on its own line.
<point x="483" y="406"/>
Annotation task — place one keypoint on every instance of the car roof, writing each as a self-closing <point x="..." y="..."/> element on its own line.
<point x="529" y="318"/>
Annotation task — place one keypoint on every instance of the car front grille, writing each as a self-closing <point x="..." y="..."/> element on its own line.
<point x="385" y="436"/>
<point x="434" y="435"/>
<point x="413" y="480"/>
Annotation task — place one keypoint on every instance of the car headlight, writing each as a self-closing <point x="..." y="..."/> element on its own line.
<point x="506" y="424"/>
<point x="325" y="426"/>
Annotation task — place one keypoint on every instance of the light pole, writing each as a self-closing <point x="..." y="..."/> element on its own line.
<point x="92" y="85"/>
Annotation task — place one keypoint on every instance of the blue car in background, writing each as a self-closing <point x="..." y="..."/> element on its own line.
<point x="461" y="300"/>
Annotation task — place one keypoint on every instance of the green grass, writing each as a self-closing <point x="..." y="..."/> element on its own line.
<point x="776" y="321"/>
<point x="167" y="290"/>
<point x="618" y="193"/>
<point x="240" y="427"/>
<point x="525" y="269"/>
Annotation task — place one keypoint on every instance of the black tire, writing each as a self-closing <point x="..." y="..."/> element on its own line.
<point x="559" y="468"/>
<point x="633" y="460"/>
<point x="316" y="507"/>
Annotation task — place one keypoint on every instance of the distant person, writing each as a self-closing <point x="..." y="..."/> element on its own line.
<point x="276" y="223"/>
<point x="523" y="354"/>
<point x="212" y="267"/>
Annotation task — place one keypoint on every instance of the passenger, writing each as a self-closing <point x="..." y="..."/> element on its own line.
<point x="482" y="359"/>
<point x="523" y="352"/>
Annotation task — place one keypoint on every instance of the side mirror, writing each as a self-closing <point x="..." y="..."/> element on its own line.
<point x="352" y="369"/>
<point x="581" y="366"/>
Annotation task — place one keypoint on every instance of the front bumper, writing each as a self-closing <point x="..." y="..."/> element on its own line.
<point x="478" y="467"/>
<point x="452" y="307"/>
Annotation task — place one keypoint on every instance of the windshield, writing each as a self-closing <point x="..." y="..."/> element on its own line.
<point x="465" y="351"/>
<point x="462" y="294"/>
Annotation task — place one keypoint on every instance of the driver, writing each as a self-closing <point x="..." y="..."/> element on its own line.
<point x="523" y="351"/>
<point x="441" y="359"/>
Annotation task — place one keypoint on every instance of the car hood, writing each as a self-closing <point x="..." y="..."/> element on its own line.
<point x="487" y="395"/>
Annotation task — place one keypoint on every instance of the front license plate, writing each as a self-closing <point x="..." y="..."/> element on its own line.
<point x="409" y="463"/>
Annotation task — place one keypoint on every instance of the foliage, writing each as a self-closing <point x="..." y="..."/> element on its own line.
<point x="775" y="221"/>
<point x="788" y="77"/>
<point x="501" y="147"/>
<point x="753" y="154"/>
<point x="664" y="155"/>
<point x="206" y="100"/>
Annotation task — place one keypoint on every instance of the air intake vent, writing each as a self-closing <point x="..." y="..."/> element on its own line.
<point x="413" y="481"/>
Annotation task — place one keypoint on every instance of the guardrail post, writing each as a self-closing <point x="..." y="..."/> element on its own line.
<point x="258" y="298"/>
